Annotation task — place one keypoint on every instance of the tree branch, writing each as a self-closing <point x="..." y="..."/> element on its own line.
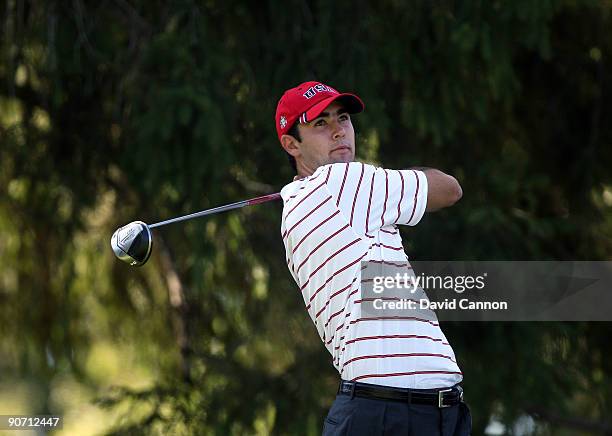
<point x="176" y="296"/>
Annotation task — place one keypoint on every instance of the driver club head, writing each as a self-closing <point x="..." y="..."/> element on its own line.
<point x="132" y="243"/>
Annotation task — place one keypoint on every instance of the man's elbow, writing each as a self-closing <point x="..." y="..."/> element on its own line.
<point x="455" y="191"/>
<point x="444" y="190"/>
<point x="449" y="194"/>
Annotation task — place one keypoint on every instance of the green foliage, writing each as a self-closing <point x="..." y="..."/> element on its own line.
<point x="111" y="112"/>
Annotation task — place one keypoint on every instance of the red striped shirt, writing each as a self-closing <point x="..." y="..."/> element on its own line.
<point x="330" y="225"/>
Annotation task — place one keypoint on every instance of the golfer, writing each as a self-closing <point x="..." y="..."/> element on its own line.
<point x="399" y="375"/>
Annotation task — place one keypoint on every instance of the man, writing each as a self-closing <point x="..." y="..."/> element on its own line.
<point x="399" y="374"/>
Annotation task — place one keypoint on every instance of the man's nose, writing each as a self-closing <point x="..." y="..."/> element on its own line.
<point x="338" y="131"/>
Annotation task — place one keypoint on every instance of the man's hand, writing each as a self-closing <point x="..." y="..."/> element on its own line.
<point x="443" y="190"/>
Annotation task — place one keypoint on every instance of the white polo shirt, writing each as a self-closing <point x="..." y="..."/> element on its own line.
<point x="343" y="215"/>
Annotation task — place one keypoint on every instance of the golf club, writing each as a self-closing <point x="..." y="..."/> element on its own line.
<point x="133" y="242"/>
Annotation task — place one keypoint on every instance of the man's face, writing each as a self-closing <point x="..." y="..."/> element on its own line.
<point x="329" y="138"/>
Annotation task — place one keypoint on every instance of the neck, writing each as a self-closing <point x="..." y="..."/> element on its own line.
<point x="304" y="170"/>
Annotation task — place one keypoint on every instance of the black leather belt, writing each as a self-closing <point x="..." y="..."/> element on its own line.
<point x="435" y="397"/>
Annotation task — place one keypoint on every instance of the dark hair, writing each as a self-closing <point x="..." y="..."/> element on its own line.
<point x="293" y="131"/>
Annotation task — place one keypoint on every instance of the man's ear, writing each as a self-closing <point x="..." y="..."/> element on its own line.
<point x="291" y="145"/>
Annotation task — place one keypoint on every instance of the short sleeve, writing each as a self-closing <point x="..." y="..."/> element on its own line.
<point x="371" y="198"/>
<point x="407" y="192"/>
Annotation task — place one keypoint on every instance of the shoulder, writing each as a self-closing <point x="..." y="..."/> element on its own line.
<point x="297" y="187"/>
<point x="352" y="171"/>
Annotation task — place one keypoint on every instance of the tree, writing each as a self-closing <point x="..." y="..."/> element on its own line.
<point x="122" y="109"/>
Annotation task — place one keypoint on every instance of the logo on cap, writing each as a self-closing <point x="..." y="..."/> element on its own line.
<point x="319" y="87"/>
<point x="283" y="122"/>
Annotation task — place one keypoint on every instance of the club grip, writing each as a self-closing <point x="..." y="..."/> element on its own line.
<point x="264" y="198"/>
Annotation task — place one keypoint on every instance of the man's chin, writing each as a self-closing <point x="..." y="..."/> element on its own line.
<point x="342" y="156"/>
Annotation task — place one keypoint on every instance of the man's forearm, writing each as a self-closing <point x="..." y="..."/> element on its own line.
<point x="443" y="189"/>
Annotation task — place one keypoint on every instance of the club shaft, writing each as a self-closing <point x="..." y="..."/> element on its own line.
<point x="238" y="204"/>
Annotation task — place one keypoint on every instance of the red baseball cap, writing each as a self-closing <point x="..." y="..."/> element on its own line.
<point x="306" y="101"/>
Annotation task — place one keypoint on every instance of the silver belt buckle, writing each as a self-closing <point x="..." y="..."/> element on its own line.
<point x="441" y="404"/>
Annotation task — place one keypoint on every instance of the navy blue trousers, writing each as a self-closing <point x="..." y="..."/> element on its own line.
<point x="363" y="416"/>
